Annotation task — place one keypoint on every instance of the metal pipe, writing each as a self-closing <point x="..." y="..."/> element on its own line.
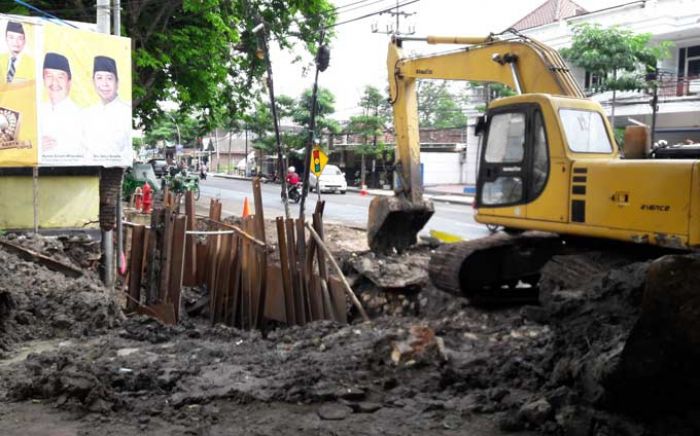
<point x="516" y="78"/>
<point x="108" y="258"/>
<point x="459" y="40"/>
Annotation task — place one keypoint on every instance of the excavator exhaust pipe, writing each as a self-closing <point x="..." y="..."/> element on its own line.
<point x="394" y="222"/>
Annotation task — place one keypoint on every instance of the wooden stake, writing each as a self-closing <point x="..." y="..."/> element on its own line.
<point x="346" y="285"/>
<point x="135" y="268"/>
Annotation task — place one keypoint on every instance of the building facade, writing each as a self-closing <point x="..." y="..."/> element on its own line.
<point x="677" y="21"/>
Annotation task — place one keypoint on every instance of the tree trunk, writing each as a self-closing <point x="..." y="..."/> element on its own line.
<point x="612" y="111"/>
<point x="229" y="168"/>
<point x="362" y="172"/>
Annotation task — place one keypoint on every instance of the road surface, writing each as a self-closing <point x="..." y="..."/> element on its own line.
<point x="349" y="209"/>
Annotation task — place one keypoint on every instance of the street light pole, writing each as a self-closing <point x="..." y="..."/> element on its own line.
<point x="179" y="140"/>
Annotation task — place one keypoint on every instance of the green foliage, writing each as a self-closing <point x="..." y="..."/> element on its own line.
<point x="438" y="107"/>
<point x="200" y="54"/>
<point x="163" y="128"/>
<point x="325" y="107"/>
<point x="619" y="133"/>
<point x="619" y="57"/>
<point x="296" y="111"/>
<point x="499" y="90"/>
<point x="371" y="124"/>
<point x="137" y="143"/>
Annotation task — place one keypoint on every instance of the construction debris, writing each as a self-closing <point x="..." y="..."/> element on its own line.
<point x="598" y="356"/>
<point x="27" y="254"/>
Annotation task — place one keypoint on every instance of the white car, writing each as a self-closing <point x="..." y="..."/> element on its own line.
<point x="331" y="180"/>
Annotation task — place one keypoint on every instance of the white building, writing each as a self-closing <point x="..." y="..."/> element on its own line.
<point x="677" y="21"/>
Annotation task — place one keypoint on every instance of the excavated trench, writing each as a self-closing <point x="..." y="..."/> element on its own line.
<point x="610" y="350"/>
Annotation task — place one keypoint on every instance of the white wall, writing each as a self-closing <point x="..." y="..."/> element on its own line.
<point x="441" y="168"/>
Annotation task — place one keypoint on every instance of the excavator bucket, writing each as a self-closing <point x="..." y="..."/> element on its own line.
<point x="394" y="222"/>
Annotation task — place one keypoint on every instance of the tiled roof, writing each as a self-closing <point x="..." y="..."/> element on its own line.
<point x="549" y="12"/>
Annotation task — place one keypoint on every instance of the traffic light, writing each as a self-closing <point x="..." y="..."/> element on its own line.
<point x="317" y="161"/>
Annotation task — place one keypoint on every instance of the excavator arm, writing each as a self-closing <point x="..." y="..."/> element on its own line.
<point x="521" y="63"/>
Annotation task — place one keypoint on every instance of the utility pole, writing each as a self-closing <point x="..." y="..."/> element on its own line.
<point x="103" y="15"/>
<point x="110" y="181"/>
<point x="246" y="149"/>
<point x="117" y="18"/>
<point x="265" y="56"/>
<point x="322" y="59"/>
<point x="390" y="30"/>
<point x="117" y="30"/>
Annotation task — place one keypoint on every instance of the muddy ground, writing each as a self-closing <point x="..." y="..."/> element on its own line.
<point x="428" y="363"/>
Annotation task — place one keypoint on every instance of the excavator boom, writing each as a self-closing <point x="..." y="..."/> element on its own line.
<point x="523" y="64"/>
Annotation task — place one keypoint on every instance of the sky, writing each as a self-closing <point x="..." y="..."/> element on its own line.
<point x="358" y="56"/>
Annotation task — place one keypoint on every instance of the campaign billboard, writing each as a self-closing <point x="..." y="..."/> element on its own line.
<point x="65" y="96"/>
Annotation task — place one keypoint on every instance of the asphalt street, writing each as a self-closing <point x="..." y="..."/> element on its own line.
<point x="349" y="209"/>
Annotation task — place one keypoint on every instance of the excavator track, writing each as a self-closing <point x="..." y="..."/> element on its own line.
<point x="500" y="268"/>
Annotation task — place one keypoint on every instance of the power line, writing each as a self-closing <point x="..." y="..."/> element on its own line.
<point x="352" y="20"/>
<point x="45" y="14"/>
<point x="361" y="6"/>
<point x="350" y="4"/>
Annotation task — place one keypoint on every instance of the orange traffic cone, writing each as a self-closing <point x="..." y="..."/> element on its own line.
<point x="246" y="208"/>
<point x="363" y="190"/>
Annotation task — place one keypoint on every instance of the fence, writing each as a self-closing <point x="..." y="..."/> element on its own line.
<point x="249" y="281"/>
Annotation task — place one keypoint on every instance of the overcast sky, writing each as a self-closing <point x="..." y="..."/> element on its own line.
<point x="358" y="56"/>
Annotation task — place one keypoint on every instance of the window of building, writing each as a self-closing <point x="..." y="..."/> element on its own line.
<point x="592" y="80"/>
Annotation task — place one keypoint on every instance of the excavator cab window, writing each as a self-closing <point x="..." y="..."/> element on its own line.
<point x="585" y="131"/>
<point x="540" y="158"/>
<point x="515" y="163"/>
<point x="502" y="166"/>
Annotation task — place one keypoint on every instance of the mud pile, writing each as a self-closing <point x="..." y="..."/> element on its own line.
<point x="444" y="368"/>
<point x="37" y="303"/>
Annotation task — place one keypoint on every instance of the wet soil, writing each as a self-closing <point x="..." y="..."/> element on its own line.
<point x="428" y="363"/>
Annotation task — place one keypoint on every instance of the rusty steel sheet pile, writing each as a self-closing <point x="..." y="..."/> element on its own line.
<point x="249" y="281"/>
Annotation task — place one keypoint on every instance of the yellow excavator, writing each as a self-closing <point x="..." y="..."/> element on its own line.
<point x="549" y="163"/>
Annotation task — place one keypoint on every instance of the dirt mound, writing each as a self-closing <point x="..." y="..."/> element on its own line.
<point x="440" y="367"/>
<point x="37" y="303"/>
<point x="340" y="239"/>
<point x="657" y="368"/>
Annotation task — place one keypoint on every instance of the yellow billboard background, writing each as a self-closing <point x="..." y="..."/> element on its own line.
<point x="27" y="97"/>
<point x="81" y="129"/>
<point x="19" y="96"/>
<point x="80" y="48"/>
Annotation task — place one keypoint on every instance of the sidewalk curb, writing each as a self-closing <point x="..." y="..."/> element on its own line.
<point x="434" y="196"/>
<point x="440" y="197"/>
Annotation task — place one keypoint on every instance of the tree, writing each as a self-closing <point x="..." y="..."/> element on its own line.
<point x="325" y="107"/>
<point x="438" y="107"/>
<point x="200" y="54"/>
<point x="188" y="130"/>
<point x="618" y="57"/>
<point x="369" y="126"/>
